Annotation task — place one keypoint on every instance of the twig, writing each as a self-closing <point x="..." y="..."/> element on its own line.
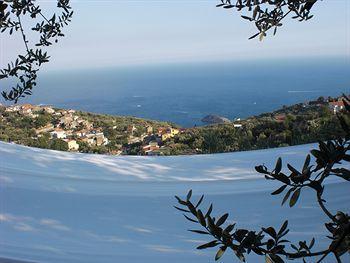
<point x="23" y="35"/>
<point x="324" y="209"/>
<point x="337" y="258"/>
<point x="323" y="257"/>
<point x="44" y="17"/>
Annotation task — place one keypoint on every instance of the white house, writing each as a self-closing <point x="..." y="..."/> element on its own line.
<point x="58" y="134"/>
<point x="72" y="145"/>
<point x="96" y="138"/>
<point x="13" y="108"/>
<point x="48" y="109"/>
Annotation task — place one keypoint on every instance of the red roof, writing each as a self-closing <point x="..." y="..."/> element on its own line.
<point x="337" y="103"/>
<point x="27" y="106"/>
<point x="280" y="117"/>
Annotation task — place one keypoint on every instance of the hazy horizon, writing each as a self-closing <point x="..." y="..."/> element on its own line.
<point x="126" y="33"/>
<point x="185" y="93"/>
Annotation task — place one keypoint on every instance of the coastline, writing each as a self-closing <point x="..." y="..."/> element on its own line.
<point x="44" y="126"/>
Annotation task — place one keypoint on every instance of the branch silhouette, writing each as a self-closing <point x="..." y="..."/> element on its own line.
<point x="271" y="242"/>
<point x="24" y="69"/>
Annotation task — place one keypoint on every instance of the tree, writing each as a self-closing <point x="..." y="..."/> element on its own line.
<point x="58" y="144"/>
<point x="267" y="14"/>
<point x="26" y="66"/>
<point x="42" y="120"/>
<point x="271" y="242"/>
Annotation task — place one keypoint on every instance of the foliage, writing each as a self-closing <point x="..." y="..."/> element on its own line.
<point x="58" y="144"/>
<point x="21" y="128"/>
<point x="271" y="242"/>
<point x="302" y="124"/>
<point x="266" y="14"/>
<point x="42" y="120"/>
<point x="26" y="66"/>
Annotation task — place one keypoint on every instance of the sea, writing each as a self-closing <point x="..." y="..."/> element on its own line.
<point x="185" y="93"/>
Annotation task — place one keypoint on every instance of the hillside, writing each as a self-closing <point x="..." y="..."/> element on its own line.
<point x="66" y="129"/>
<point x="70" y="130"/>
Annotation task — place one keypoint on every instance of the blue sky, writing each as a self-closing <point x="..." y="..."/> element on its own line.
<point x="126" y="32"/>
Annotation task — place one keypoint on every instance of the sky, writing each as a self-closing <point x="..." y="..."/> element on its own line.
<point x="132" y="32"/>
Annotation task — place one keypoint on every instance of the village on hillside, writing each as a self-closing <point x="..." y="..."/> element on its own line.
<point x="74" y="130"/>
<point x="70" y="130"/>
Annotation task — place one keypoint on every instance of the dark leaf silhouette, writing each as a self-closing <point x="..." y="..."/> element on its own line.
<point x="25" y="68"/>
<point x="294" y="198"/>
<point x="271" y="242"/>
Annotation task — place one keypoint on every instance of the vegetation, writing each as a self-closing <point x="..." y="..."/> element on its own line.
<point x="269" y="241"/>
<point x="298" y="124"/>
<point x="115" y="129"/>
<point x="267" y="14"/>
<point x="23" y="129"/>
<point x="293" y="125"/>
<point x="26" y="66"/>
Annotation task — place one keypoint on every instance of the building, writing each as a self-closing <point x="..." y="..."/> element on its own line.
<point x="167" y="133"/>
<point x="152" y="146"/>
<point x="149" y="129"/>
<point x="81" y="133"/>
<point x="280" y="117"/>
<point x="336" y="106"/>
<point x="60" y="112"/>
<point x="100" y="139"/>
<point x="48" y="109"/>
<point x="26" y="109"/>
<point x="173" y="131"/>
<point x="166" y="136"/>
<point x="58" y="134"/>
<point x="72" y="145"/>
<point x="96" y="139"/>
<point x="66" y="121"/>
<point x="13" y="108"/>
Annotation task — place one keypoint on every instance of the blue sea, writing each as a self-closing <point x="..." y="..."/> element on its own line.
<point x="185" y="93"/>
